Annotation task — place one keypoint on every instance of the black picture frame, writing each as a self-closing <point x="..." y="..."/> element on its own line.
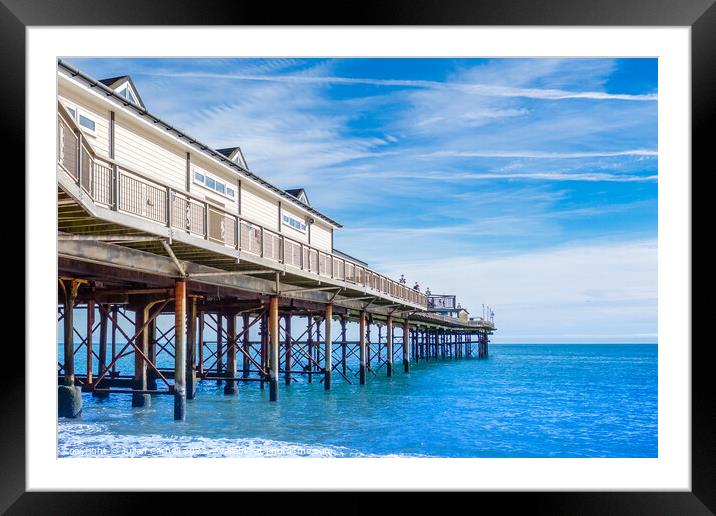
<point x="700" y="15"/>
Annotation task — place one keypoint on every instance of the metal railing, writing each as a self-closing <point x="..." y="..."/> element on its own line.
<point x="124" y="190"/>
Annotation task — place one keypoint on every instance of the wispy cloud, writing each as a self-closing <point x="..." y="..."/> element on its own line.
<point x="529" y="184"/>
<point x="537" y="154"/>
<point x="534" y="176"/>
<point x="598" y="291"/>
<point x="477" y="89"/>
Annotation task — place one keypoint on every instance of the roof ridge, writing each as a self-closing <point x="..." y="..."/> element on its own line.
<point x="142" y="111"/>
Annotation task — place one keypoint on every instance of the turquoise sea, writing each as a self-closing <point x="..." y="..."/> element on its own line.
<point x="538" y="400"/>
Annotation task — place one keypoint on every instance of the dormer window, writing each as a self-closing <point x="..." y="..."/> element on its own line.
<point x="124" y="87"/>
<point x="126" y="92"/>
<point x="235" y="155"/>
<point x="300" y="194"/>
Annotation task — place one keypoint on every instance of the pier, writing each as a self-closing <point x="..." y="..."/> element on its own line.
<point x="156" y="226"/>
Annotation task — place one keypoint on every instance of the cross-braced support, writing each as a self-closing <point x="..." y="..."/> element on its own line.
<point x="69" y="397"/>
<point x="230" y="386"/>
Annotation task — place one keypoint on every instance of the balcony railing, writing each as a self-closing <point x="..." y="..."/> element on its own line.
<point x="119" y="188"/>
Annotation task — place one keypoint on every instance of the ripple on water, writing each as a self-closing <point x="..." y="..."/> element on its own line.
<point x="524" y="401"/>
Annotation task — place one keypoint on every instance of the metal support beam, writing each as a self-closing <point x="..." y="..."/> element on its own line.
<point x="191" y="351"/>
<point x="406" y="347"/>
<point x="228" y="273"/>
<point x="389" y="342"/>
<point x="361" y="343"/>
<point x="288" y="358"/>
<point x="90" y="327"/>
<point x="309" y="345"/>
<point x="219" y="346"/>
<point x="171" y="254"/>
<point x="201" y="343"/>
<point x="327" y="355"/>
<point x="246" y="346"/>
<point x="107" y="238"/>
<point x="344" y="344"/>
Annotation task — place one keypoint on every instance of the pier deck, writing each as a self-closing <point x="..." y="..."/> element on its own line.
<point x="132" y="249"/>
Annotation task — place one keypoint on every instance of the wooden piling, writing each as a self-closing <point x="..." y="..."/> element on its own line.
<point x="327" y="352"/>
<point x="389" y="345"/>
<point x="69" y="337"/>
<point x="139" y="383"/>
<point x="69" y="397"/>
<point x="179" y="349"/>
<point x="273" y="345"/>
<point x="361" y="343"/>
<point x="230" y="387"/>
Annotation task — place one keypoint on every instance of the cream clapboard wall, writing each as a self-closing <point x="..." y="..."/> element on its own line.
<point x="204" y="164"/>
<point x="290" y="231"/>
<point x="320" y="231"/>
<point x="99" y="113"/>
<point x="148" y="154"/>
<point x="157" y="156"/>
<point x="321" y="236"/>
<point x="258" y="206"/>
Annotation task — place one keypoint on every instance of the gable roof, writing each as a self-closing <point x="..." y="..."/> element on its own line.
<point x="227" y="151"/>
<point x="300" y="194"/>
<point x="181" y="135"/>
<point x="116" y="82"/>
<point x="233" y="153"/>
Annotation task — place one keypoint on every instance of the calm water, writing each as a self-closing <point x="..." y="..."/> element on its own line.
<point x="522" y="401"/>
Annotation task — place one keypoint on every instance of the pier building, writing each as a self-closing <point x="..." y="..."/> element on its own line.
<point x="153" y="223"/>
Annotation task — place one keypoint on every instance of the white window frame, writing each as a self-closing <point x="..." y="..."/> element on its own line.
<point x="285" y="216"/>
<point x="80" y="111"/>
<point x="206" y="174"/>
<point x="127" y="86"/>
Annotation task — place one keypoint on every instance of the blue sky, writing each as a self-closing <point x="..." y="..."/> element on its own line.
<point x="526" y="184"/>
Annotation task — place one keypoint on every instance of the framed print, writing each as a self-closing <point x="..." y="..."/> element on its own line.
<point x="444" y="248"/>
